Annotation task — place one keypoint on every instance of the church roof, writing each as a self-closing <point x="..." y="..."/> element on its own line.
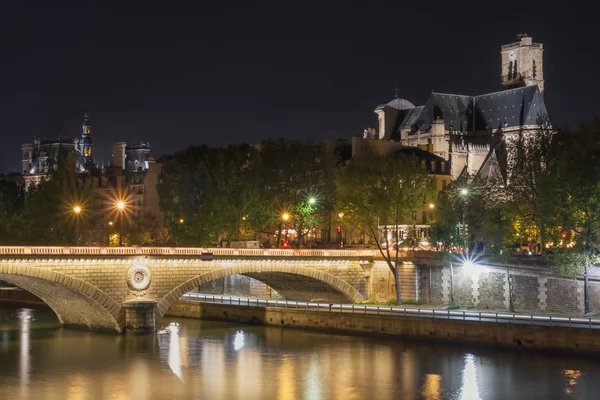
<point x="508" y="108"/>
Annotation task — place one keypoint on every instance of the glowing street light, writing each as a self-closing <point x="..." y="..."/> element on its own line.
<point x="312" y="200"/>
<point x="464" y="193"/>
<point x="431" y="206"/>
<point x="181" y="220"/>
<point x="120" y="204"/>
<point x="77" y="211"/>
<point x="285" y="217"/>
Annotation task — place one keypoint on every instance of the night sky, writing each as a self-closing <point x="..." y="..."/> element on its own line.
<point x="174" y="73"/>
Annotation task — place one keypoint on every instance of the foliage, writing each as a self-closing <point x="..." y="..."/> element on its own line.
<point x="382" y="192"/>
<point x="572" y="262"/>
<point x="209" y="195"/>
<point x="293" y="172"/>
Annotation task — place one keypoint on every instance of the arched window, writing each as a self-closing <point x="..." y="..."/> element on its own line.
<point x="510" y="69"/>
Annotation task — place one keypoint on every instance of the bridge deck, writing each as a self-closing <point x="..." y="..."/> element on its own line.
<point x="190" y="251"/>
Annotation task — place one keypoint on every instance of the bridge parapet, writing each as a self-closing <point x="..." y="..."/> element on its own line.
<point x="192" y="251"/>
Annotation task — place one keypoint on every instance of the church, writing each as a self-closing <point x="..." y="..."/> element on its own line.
<point x="468" y="132"/>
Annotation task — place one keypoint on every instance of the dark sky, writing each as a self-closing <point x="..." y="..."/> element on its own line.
<point x="175" y="73"/>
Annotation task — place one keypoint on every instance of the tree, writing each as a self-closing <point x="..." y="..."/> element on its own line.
<point x="570" y="197"/>
<point x="205" y="194"/>
<point x="293" y="175"/>
<point x="383" y="192"/>
<point x="530" y="156"/>
<point x="47" y="214"/>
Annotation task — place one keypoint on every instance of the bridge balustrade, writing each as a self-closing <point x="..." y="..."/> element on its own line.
<point x="188" y="251"/>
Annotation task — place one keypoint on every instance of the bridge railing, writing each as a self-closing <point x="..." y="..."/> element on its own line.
<point x="190" y="251"/>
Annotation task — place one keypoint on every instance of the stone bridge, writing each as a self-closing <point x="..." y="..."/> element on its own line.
<point x="119" y="289"/>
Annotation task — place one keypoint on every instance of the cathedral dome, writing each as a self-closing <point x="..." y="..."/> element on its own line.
<point x="400" y="104"/>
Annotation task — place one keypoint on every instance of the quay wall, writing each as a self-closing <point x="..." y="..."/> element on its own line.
<point x="528" y="337"/>
<point x="528" y="289"/>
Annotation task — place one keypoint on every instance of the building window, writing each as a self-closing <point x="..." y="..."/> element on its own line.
<point x="423" y="164"/>
<point x="443" y="166"/>
<point x="433" y="166"/>
<point x="510" y="70"/>
<point x="444" y="184"/>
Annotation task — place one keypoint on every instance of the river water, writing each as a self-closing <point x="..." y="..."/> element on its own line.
<point x="192" y="359"/>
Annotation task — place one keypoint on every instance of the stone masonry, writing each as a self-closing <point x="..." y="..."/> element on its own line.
<point x="532" y="289"/>
<point x="92" y="290"/>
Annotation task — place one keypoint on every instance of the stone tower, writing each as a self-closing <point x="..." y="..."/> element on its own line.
<point x="85" y="142"/>
<point x="522" y="64"/>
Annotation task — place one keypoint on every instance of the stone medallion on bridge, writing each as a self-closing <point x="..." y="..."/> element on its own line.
<point x="138" y="279"/>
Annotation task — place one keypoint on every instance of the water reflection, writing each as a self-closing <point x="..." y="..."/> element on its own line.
<point x="572" y="376"/>
<point x="25" y="318"/>
<point x="470" y="389"/>
<point x="239" y="340"/>
<point x="198" y="359"/>
<point x="173" y="351"/>
<point x="432" y="387"/>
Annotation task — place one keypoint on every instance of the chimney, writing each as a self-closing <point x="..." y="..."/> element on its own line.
<point x="118" y="155"/>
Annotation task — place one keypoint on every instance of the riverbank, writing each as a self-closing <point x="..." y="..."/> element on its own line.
<point x="508" y="335"/>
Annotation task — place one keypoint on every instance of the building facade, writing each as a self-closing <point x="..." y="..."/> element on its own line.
<point x="462" y="129"/>
<point x="131" y="176"/>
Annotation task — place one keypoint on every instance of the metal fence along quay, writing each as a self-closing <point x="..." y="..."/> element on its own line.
<point x="463" y="315"/>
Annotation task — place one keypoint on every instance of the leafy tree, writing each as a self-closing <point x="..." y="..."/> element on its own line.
<point x="292" y="173"/>
<point x="530" y="156"/>
<point x="570" y="197"/>
<point x="383" y="192"/>
<point x="206" y="194"/>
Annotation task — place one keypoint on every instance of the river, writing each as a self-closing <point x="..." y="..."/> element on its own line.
<point x="192" y="359"/>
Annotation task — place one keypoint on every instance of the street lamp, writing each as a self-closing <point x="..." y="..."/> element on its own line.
<point x="285" y="218"/>
<point x="77" y="211"/>
<point x="464" y="192"/>
<point x="181" y="220"/>
<point x="431" y="206"/>
<point x="341" y="231"/>
<point x="120" y="208"/>
<point x="312" y="200"/>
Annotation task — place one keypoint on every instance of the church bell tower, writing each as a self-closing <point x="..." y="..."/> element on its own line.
<point x="85" y="143"/>
<point x="522" y="64"/>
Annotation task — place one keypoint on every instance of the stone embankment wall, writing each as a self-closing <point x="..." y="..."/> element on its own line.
<point x="532" y="289"/>
<point x="545" y="338"/>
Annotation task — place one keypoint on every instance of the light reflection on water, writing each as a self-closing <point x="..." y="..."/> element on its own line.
<point x="199" y="359"/>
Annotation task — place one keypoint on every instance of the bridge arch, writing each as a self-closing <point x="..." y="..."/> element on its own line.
<point x="76" y="303"/>
<point x="270" y="274"/>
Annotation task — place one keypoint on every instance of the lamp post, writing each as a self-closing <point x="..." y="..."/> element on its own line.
<point x="285" y="218"/>
<point x="341" y="231"/>
<point x="77" y="211"/>
<point x="464" y="192"/>
<point x="451" y="283"/>
<point x="120" y="208"/>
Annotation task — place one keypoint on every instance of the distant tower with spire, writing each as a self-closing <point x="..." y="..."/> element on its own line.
<point x="85" y="143"/>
